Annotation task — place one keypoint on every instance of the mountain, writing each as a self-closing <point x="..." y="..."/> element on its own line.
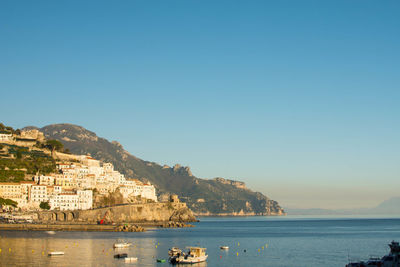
<point x="312" y="211"/>
<point x="216" y="196"/>
<point x="390" y="206"/>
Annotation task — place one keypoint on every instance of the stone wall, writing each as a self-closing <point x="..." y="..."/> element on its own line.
<point x="129" y="213"/>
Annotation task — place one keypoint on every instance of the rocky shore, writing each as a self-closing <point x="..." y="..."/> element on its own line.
<point x="173" y="224"/>
<point x="136" y="227"/>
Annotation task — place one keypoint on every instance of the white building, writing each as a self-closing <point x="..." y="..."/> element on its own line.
<point x="38" y="193"/>
<point x="85" y="198"/>
<point x="44" y="180"/>
<point x="81" y="200"/>
<point x="149" y="192"/>
<point x="5" y="136"/>
<point x="133" y="188"/>
<point x="64" y="201"/>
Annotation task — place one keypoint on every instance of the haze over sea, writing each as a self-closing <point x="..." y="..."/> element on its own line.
<point x="253" y="241"/>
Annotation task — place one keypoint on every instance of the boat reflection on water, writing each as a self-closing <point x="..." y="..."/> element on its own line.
<point x="199" y="264"/>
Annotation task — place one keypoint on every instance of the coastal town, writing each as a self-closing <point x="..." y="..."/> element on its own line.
<point x="73" y="183"/>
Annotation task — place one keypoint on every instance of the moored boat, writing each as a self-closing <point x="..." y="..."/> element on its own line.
<point x="194" y="255"/>
<point x="122" y="244"/>
<point x="390" y="260"/>
<point x="224" y="247"/>
<point x="56" y="253"/>
<point x="121" y="256"/>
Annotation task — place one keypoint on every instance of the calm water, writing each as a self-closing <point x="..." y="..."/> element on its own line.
<point x="276" y="241"/>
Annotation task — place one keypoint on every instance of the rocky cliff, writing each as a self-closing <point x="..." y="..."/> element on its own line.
<point x="217" y="196"/>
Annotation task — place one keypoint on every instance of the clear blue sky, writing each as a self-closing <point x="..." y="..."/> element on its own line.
<point x="299" y="99"/>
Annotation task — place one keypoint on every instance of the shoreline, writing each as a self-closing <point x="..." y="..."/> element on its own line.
<point x="73" y="227"/>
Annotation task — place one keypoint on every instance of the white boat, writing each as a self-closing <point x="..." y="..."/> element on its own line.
<point x="122" y="244"/>
<point x="50" y="232"/>
<point x="194" y="255"/>
<point x="56" y="253"/>
<point x="224" y="247"/>
<point x="131" y="259"/>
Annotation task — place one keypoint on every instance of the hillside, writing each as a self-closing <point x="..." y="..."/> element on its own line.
<point x="22" y="157"/>
<point x="216" y="196"/>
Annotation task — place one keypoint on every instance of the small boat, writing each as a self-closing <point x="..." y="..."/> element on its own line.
<point x="224" y="247"/>
<point x="122" y="244"/>
<point x="56" y="253"/>
<point x="50" y="232"/>
<point x="131" y="259"/>
<point x="392" y="259"/>
<point x="194" y="255"/>
<point x="160" y="260"/>
<point x="121" y="256"/>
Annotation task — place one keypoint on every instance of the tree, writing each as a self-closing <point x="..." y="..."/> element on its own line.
<point x="8" y="202"/>
<point x="44" y="205"/>
<point x="54" y="145"/>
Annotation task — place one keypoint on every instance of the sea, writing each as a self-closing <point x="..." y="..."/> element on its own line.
<point x="253" y="241"/>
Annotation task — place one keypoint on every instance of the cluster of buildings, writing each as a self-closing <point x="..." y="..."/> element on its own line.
<point x="5" y="136"/>
<point x="72" y="187"/>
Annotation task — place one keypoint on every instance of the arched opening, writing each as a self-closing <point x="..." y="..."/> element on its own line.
<point x="70" y="216"/>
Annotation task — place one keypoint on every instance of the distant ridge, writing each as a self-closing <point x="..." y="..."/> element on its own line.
<point x="217" y="196"/>
<point x="390" y="206"/>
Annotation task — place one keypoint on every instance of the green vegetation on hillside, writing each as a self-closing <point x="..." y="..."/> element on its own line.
<point x="7" y="129"/>
<point x="8" y="202"/>
<point x="18" y="161"/>
<point x="16" y="168"/>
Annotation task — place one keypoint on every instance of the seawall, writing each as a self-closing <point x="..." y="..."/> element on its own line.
<point x="128" y="213"/>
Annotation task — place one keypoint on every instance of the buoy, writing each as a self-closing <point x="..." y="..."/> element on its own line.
<point x="0" y="250"/>
<point x="220" y="256"/>
<point x="258" y="250"/>
<point x="42" y="252"/>
<point x="237" y="253"/>
<point x="9" y="250"/>
<point x="238" y="244"/>
<point x="262" y="247"/>
<point x="244" y="250"/>
<point x="33" y="251"/>
<point x="156" y="246"/>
